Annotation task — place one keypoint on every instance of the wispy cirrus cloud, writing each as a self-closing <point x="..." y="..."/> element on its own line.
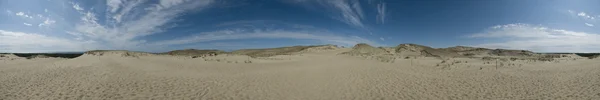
<point x="350" y="12"/>
<point x="113" y="5"/>
<point x="125" y="26"/>
<point x="539" y="38"/>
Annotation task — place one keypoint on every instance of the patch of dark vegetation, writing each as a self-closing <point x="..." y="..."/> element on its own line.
<point x="587" y="55"/>
<point x="426" y="50"/>
<point x="505" y="52"/>
<point x="194" y="52"/>
<point x="46" y="55"/>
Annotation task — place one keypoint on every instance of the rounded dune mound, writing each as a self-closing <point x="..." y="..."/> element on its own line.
<point x="369" y="52"/>
<point x="594" y="57"/>
<point x="365" y="49"/>
<point x="121" y="53"/>
<point x="9" y="57"/>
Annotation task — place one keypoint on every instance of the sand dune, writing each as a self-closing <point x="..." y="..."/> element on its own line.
<point x="323" y="73"/>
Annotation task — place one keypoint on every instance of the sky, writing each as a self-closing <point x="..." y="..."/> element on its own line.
<point x="163" y="25"/>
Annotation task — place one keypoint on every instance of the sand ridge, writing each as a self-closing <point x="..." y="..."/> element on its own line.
<point x="325" y="73"/>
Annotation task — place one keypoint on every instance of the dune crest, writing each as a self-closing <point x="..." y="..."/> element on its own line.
<point x="9" y="56"/>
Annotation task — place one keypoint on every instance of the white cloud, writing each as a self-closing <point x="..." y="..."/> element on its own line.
<point x="235" y="34"/>
<point x="77" y="7"/>
<point x="381" y="13"/>
<point x="22" y="42"/>
<point x="588" y="24"/>
<point x="571" y="11"/>
<point x="381" y="38"/>
<point x="539" y="39"/>
<point x="584" y="15"/>
<point x="47" y="22"/>
<point x="45" y="10"/>
<point x="22" y="14"/>
<point x="27" y="24"/>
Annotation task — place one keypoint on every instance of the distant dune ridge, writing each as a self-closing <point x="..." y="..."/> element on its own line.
<point x="361" y="49"/>
<point x="267" y="52"/>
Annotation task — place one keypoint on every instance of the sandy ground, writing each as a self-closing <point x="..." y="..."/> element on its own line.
<point x="310" y="76"/>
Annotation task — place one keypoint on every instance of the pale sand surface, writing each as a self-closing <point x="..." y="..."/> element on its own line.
<point x="309" y="76"/>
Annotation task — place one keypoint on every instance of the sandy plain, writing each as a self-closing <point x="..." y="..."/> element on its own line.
<point x="318" y="75"/>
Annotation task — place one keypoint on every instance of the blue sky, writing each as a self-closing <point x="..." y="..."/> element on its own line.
<point x="163" y="25"/>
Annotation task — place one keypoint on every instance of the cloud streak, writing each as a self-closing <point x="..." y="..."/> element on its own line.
<point x="350" y="12"/>
<point x="588" y="24"/>
<point x="235" y="34"/>
<point x="381" y="13"/>
<point x="539" y="39"/>
<point x="22" y="43"/>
